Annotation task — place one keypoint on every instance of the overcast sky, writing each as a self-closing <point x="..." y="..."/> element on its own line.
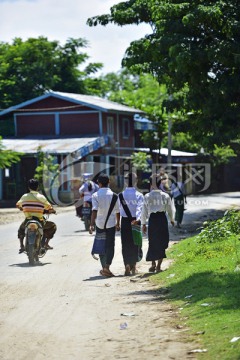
<point x="62" y="19"/>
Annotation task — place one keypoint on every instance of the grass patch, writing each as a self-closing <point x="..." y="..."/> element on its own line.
<point x="204" y="283"/>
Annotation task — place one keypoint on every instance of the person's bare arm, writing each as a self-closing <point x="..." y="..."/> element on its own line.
<point x="118" y="221"/>
<point x="93" y="218"/>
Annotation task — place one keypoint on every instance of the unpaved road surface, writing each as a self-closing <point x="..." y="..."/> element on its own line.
<point x="65" y="310"/>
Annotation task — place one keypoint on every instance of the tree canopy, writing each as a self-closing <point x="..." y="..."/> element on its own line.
<point x="29" y="68"/>
<point x="194" y="49"/>
<point x="8" y="157"/>
<point x="144" y="92"/>
<point x="141" y="92"/>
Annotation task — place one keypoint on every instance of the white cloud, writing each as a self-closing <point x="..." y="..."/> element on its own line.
<point x="60" y="20"/>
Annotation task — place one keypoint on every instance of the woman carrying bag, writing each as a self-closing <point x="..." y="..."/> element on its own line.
<point x="155" y="206"/>
<point x="130" y="204"/>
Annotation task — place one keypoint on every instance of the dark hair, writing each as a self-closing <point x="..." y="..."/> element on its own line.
<point x="131" y="179"/>
<point x="155" y="180"/>
<point x="89" y="185"/>
<point x="103" y="179"/>
<point x="33" y="184"/>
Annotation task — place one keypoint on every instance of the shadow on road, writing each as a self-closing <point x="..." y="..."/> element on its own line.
<point x="27" y="265"/>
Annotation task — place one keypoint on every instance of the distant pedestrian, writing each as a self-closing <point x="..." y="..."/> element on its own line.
<point x="164" y="184"/>
<point x="130" y="203"/>
<point x="179" y="196"/>
<point x="101" y="201"/>
<point x="155" y="206"/>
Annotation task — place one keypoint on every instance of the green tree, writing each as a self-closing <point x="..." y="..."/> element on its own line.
<point x="142" y="92"/>
<point x="46" y="171"/>
<point x="139" y="161"/>
<point x="115" y="86"/>
<point x="193" y="48"/>
<point x="222" y="155"/>
<point x="29" y="68"/>
<point x="8" y="157"/>
<point x="184" y="142"/>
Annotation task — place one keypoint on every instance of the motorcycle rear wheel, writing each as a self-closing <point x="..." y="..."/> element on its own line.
<point x="87" y="222"/>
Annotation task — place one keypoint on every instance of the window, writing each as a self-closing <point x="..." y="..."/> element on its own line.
<point x="126" y="128"/>
<point x="110" y="126"/>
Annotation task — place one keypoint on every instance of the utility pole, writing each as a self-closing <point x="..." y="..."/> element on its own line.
<point x="169" y="158"/>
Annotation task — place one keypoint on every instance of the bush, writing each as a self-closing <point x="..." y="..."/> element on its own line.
<point x="217" y="230"/>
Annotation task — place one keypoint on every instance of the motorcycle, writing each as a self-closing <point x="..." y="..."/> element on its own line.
<point x="86" y="214"/>
<point x="34" y="239"/>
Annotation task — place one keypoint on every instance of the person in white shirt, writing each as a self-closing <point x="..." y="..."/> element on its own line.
<point x="133" y="199"/>
<point x="155" y="206"/>
<point x="101" y="201"/>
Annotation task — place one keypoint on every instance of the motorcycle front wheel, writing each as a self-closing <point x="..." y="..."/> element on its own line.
<point x="31" y="254"/>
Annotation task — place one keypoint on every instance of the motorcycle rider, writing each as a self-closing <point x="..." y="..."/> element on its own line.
<point x="87" y="189"/>
<point x="33" y="205"/>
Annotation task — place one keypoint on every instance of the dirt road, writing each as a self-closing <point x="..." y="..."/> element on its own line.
<point x="64" y="310"/>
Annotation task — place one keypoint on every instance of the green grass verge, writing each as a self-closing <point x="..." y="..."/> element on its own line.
<point x="204" y="285"/>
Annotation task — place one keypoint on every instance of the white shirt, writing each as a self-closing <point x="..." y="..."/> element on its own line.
<point x="134" y="201"/>
<point x="154" y="201"/>
<point x="101" y="202"/>
<point x="84" y="190"/>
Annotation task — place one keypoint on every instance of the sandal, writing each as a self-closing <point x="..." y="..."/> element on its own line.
<point x="134" y="271"/>
<point x="152" y="269"/>
<point x="127" y="270"/>
<point x="106" y="273"/>
<point x="48" y="247"/>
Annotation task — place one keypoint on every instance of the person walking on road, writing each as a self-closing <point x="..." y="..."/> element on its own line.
<point x="101" y="201"/>
<point x="130" y="204"/>
<point x="164" y="184"/>
<point x="179" y="196"/>
<point x="155" y="206"/>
